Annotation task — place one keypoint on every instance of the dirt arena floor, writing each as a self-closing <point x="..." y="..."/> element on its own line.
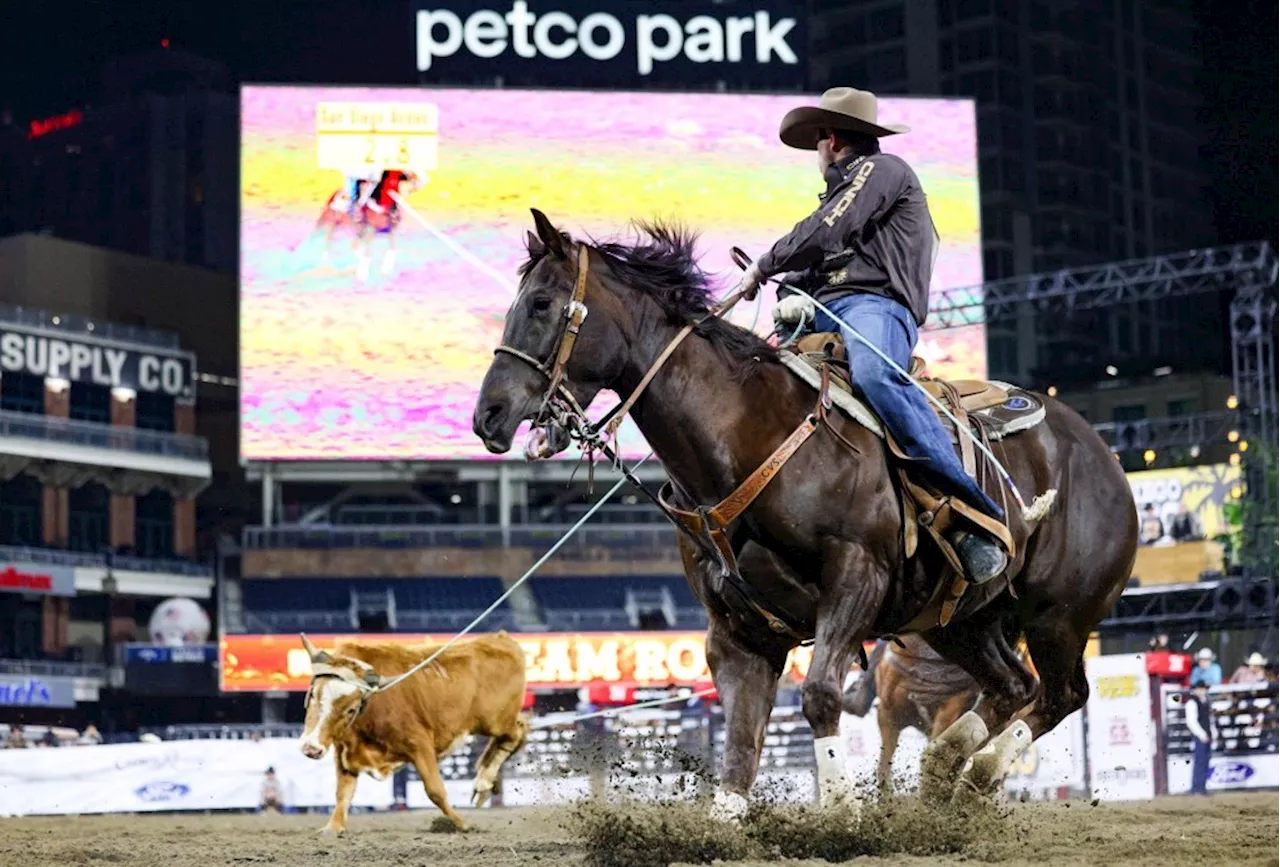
<point x="1236" y="829"/>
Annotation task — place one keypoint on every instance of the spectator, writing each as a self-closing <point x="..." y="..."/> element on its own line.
<point x="1159" y="642"/>
<point x="272" y="793"/>
<point x="1200" y="722"/>
<point x="1184" y="527"/>
<point x="1254" y="670"/>
<point x="1206" y="671"/>
<point x="17" y="739"/>
<point x="90" y="736"/>
<point x="1150" y="529"/>
<point x="49" y="739"/>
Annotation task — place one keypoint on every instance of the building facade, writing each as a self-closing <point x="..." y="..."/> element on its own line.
<point x="1088" y="142"/>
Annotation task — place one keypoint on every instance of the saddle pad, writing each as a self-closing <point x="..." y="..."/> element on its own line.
<point x="1022" y="411"/>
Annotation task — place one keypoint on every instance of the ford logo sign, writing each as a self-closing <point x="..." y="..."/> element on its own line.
<point x="1228" y="773"/>
<point x="155" y="792"/>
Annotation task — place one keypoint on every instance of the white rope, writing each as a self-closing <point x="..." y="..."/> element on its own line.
<point x="961" y="429"/>
<point x="453" y="245"/>
<point x="512" y="589"/>
<point x="614" y="711"/>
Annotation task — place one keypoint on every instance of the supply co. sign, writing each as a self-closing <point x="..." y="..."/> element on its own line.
<point x="572" y="41"/>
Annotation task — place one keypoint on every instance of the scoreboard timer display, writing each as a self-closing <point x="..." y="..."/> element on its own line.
<point x="357" y="137"/>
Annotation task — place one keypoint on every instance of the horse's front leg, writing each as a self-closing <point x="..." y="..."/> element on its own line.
<point x="747" y="682"/>
<point x="853" y="587"/>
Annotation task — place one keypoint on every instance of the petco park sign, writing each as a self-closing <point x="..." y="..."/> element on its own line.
<point x="573" y="42"/>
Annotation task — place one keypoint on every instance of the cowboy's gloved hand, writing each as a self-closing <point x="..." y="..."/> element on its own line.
<point x="793" y="309"/>
<point x="749" y="285"/>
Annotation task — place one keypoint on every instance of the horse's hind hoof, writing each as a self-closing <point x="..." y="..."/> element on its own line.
<point x="728" y="807"/>
<point x="940" y="766"/>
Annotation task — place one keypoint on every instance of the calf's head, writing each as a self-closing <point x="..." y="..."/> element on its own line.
<point x="340" y="686"/>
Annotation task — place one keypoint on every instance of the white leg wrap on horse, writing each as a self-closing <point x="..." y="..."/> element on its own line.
<point x="944" y="757"/>
<point x="728" y="806"/>
<point x="834" y="783"/>
<point x="986" y="770"/>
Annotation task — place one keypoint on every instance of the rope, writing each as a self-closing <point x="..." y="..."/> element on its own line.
<point x="614" y="711"/>
<point x="512" y="589"/>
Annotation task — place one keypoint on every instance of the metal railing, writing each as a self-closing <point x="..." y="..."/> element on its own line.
<point x="72" y="324"/>
<point x="74" y="432"/>
<point x="49" y="668"/>
<point x="125" y="563"/>
<point x="590" y="537"/>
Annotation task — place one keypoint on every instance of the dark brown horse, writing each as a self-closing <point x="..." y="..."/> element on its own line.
<point x="916" y="688"/>
<point x="823" y="543"/>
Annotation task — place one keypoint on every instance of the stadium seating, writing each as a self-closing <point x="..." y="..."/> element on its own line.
<point x="335" y="605"/>
<point x="615" y="603"/>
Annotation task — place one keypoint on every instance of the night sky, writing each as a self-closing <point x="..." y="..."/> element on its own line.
<point x="51" y="54"/>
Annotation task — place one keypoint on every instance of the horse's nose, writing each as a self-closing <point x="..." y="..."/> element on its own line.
<point x="488" y="420"/>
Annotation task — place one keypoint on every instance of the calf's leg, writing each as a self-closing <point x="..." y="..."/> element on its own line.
<point x="498" y="750"/>
<point x="346" y="790"/>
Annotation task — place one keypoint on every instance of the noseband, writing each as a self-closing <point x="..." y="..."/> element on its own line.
<point x="558" y="403"/>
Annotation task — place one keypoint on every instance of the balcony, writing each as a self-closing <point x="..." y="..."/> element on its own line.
<point x="133" y="576"/>
<point x="69" y="453"/>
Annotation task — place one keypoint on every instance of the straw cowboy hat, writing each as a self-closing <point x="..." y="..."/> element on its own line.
<point x="843" y="108"/>
<point x="1256" y="658"/>
<point x="1205" y="653"/>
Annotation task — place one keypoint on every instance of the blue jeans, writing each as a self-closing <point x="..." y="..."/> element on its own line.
<point x="903" y="409"/>
<point x="1200" y="752"/>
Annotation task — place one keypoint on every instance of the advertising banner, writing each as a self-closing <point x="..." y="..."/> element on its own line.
<point x="83" y="359"/>
<point x="163" y="654"/>
<point x="38" y="578"/>
<point x="173" y="775"/>
<point x="1227" y="773"/>
<point x="1055" y="760"/>
<point x="1204" y="490"/>
<point x="18" y="690"/>
<point x="555" y="660"/>
<point x="382" y="230"/>
<point x="1122" y="734"/>
<point x="760" y="43"/>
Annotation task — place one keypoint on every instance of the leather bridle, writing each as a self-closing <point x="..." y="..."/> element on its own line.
<point x="559" y="407"/>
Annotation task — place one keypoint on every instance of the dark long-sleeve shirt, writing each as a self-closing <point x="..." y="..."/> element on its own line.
<point x="871" y="234"/>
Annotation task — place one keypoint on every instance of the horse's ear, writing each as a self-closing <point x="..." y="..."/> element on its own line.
<point x="550" y="236"/>
<point x="534" y="244"/>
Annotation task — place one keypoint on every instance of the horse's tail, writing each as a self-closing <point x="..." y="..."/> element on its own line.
<point x="860" y="696"/>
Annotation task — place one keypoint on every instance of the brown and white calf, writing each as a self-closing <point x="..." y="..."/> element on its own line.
<point x="475" y="687"/>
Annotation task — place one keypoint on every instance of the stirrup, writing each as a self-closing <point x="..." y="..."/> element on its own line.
<point x="983" y="559"/>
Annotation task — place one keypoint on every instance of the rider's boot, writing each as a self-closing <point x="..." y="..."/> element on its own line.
<point x="983" y="558"/>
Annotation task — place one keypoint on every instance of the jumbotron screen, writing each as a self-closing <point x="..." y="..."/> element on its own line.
<point x="381" y="230"/>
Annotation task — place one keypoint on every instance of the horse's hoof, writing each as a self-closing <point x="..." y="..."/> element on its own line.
<point x="480" y="795"/>
<point x="984" y="774"/>
<point x="940" y="766"/>
<point x="328" y="831"/>
<point x="728" y="807"/>
<point x="840" y="796"/>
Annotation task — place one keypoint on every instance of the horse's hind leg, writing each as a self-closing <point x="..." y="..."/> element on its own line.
<point x="1057" y="651"/>
<point x="980" y="648"/>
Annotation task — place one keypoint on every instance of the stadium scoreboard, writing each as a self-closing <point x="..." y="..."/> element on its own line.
<point x="358" y="137"/>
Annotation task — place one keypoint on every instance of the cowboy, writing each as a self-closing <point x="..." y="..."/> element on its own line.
<point x="867" y="253"/>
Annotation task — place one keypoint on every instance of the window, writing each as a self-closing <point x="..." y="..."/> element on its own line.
<point x="1130" y="412"/>
<point x="1183" y="406"/>
<point x="997" y="264"/>
<point x="154" y="524"/>
<point x="886" y="23"/>
<point x="89" y="514"/>
<point x="21" y="499"/>
<point x="90" y="402"/>
<point x="973" y="46"/>
<point x="22" y="392"/>
<point x="154" y="412"/>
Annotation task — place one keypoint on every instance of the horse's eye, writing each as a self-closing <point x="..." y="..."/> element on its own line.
<point x="541" y="304"/>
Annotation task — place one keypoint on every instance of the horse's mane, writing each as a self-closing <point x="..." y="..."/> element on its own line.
<point x="663" y="265"/>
